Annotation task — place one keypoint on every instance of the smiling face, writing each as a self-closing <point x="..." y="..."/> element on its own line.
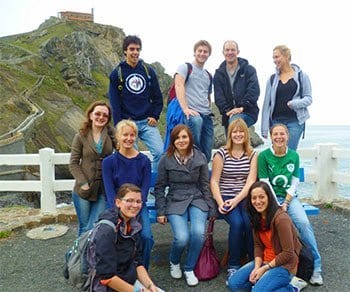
<point x="182" y="141"/>
<point x="238" y="136"/>
<point x="279" y="136"/>
<point x="201" y="55"/>
<point x="99" y="116"/>
<point x="129" y="205"/>
<point x="280" y="59"/>
<point x="259" y="200"/>
<point x="126" y="137"/>
<point x="230" y="51"/>
<point x="132" y="54"/>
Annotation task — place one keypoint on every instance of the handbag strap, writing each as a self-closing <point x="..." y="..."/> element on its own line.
<point x="210" y="228"/>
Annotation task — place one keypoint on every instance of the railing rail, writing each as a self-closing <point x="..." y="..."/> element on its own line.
<point x="323" y="173"/>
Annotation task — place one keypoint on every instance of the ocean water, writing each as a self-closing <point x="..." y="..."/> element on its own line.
<point x="339" y="135"/>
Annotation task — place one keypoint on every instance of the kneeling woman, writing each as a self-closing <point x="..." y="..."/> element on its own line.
<point x="276" y="245"/>
<point x="183" y="170"/>
<point x="119" y="262"/>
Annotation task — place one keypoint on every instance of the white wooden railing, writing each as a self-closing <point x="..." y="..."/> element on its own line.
<point x="324" y="173"/>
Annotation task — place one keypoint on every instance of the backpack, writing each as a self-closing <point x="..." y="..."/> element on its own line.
<point x="80" y="259"/>
<point x="172" y="91"/>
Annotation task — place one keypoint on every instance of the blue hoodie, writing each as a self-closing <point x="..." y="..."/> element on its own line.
<point x="140" y="96"/>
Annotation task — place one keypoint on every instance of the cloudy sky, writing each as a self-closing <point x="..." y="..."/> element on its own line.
<point x="317" y="31"/>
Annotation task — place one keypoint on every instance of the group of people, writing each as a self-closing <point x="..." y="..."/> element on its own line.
<point x="254" y="193"/>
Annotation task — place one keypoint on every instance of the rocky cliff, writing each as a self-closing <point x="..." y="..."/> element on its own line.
<point x="50" y="75"/>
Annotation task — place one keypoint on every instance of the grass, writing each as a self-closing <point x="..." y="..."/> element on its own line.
<point x="5" y="234"/>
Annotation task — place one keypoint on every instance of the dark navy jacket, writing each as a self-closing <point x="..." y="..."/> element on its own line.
<point x="140" y="96"/>
<point x="246" y="90"/>
<point x="118" y="255"/>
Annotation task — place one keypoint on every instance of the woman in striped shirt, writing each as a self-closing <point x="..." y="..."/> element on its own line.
<point x="234" y="170"/>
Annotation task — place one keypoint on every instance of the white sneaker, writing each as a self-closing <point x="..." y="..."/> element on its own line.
<point x="175" y="271"/>
<point x="298" y="283"/>
<point x="316" y="279"/>
<point x="191" y="279"/>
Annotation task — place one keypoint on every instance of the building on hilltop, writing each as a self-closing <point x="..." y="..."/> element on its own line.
<point x="77" y="16"/>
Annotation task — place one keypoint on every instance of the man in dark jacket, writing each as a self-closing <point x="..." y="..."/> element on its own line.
<point x="236" y="87"/>
<point x="134" y="93"/>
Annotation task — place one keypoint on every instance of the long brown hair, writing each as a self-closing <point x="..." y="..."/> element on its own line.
<point x="241" y="126"/>
<point x="174" y="135"/>
<point x="87" y="123"/>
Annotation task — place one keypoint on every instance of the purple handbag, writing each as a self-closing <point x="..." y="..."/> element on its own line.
<point x="208" y="263"/>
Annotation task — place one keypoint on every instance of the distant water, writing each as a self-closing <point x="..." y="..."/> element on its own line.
<point x="324" y="134"/>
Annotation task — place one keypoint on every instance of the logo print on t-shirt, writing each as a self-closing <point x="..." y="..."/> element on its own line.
<point x="135" y="83"/>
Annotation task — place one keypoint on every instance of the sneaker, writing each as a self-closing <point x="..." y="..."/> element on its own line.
<point x="316" y="279"/>
<point x="175" y="271"/>
<point x="298" y="283"/>
<point x="191" y="279"/>
<point x="230" y="272"/>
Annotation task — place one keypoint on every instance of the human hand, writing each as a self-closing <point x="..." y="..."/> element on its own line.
<point x="189" y="112"/>
<point x="284" y="207"/>
<point x="162" y="220"/>
<point x="85" y="187"/>
<point x="152" y="121"/>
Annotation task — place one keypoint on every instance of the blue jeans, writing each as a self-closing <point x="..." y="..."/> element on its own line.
<point x="151" y="137"/>
<point x="302" y="223"/>
<point x="276" y="279"/>
<point x="193" y="236"/>
<point x="202" y="129"/>
<point x="88" y="211"/>
<point x="146" y="236"/>
<point x="240" y="239"/>
<point x="247" y="118"/>
<point x="295" y="131"/>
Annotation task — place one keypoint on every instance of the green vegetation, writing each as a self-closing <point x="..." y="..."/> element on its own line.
<point x="5" y="234"/>
<point x="328" y="206"/>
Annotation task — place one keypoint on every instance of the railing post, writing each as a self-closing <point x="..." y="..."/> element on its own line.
<point x="47" y="177"/>
<point x="325" y="189"/>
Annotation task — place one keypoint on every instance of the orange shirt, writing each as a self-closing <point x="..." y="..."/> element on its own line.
<point x="269" y="253"/>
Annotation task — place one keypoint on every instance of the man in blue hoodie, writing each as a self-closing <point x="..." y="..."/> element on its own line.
<point x="236" y="87"/>
<point x="134" y="93"/>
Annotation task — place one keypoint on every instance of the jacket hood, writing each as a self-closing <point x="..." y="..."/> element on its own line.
<point x="241" y="62"/>
<point x="294" y="66"/>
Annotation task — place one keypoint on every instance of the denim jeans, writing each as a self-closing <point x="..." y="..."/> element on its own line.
<point x="247" y="118"/>
<point x="240" y="239"/>
<point x="276" y="279"/>
<point x="302" y="223"/>
<point x="202" y="129"/>
<point x="146" y="236"/>
<point x="88" y="211"/>
<point x="295" y="131"/>
<point x="193" y="236"/>
<point x="151" y="137"/>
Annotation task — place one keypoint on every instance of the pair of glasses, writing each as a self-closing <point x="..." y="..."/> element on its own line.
<point x="132" y="201"/>
<point x="99" y="114"/>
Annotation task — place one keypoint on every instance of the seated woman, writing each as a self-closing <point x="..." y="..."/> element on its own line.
<point x="276" y="245"/>
<point x="279" y="167"/>
<point x="127" y="165"/>
<point x="119" y="262"/>
<point x="182" y="193"/>
<point x="234" y="171"/>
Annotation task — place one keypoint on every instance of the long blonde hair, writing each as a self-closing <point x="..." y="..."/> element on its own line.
<point x="241" y="126"/>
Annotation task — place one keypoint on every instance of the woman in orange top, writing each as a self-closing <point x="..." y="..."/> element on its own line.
<point x="276" y="245"/>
